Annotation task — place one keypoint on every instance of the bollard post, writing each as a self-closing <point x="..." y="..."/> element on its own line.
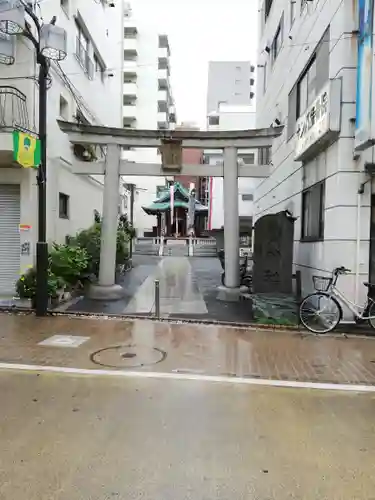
<point x="157" y="298"/>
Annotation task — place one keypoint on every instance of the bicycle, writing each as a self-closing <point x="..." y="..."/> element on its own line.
<point x="324" y="309"/>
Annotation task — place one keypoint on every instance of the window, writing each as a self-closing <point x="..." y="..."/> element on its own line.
<point x="237" y="94"/>
<point x="267" y="8"/>
<point x="213" y="120"/>
<point x="237" y="82"/>
<point x="292" y="11"/>
<point x="248" y="159"/>
<point x="63" y="206"/>
<point x="277" y="41"/>
<point x="64" y="4"/>
<point x="306" y="88"/>
<point x="64" y="108"/>
<point x="82" y="51"/>
<point x="313" y="213"/>
<point x="247" y="197"/>
<point x="99" y="67"/>
<point x="310" y="83"/>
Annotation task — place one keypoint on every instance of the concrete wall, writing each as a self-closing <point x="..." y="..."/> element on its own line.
<point x="343" y="175"/>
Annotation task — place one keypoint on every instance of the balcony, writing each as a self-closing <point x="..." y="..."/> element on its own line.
<point x="130" y="68"/>
<point x="130" y="90"/>
<point x="130" y="46"/>
<point x="129" y="112"/>
<point x="13" y="116"/>
<point x="162" y="119"/>
<point x="130" y="31"/>
<point x="164" y="54"/>
<point x="163" y="76"/>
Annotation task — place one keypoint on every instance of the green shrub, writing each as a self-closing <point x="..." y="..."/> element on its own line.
<point x="26" y="285"/>
<point x="90" y="240"/>
<point x="68" y="262"/>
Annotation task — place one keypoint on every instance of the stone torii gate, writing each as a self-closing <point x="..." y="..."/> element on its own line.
<point x="170" y="143"/>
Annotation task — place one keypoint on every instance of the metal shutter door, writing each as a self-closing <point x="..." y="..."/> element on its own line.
<point x="9" y="238"/>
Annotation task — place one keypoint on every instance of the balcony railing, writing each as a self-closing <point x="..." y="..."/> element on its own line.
<point x="13" y="111"/>
<point x="84" y="59"/>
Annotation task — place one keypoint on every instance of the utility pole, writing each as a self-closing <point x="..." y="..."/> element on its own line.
<point x="42" y="245"/>
<point x="132" y="187"/>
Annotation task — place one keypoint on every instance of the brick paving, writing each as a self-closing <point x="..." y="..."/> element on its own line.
<point x="189" y="348"/>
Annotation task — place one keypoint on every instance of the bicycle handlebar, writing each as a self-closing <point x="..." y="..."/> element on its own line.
<point x="341" y="270"/>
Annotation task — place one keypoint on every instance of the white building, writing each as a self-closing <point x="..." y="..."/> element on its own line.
<point x="231" y="117"/>
<point x="80" y="85"/>
<point x="147" y="101"/>
<point x="230" y="82"/>
<point x="307" y="72"/>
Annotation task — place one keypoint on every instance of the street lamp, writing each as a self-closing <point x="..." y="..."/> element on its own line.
<point x="50" y="44"/>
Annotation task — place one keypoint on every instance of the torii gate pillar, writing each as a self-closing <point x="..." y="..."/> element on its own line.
<point x="106" y="289"/>
<point x="231" y="290"/>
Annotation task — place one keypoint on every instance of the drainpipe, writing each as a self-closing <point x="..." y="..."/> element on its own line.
<point x="358" y="245"/>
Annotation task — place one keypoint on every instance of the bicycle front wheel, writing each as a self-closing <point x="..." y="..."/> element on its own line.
<point x="320" y="312"/>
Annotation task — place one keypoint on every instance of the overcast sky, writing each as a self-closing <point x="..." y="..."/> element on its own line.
<point x="201" y="31"/>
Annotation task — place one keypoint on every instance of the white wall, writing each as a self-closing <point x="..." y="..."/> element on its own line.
<point x="282" y="190"/>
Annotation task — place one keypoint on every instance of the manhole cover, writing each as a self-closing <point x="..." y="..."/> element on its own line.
<point x="128" y="356"/>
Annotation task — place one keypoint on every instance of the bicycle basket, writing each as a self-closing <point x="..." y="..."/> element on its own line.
<point x="322" y="283"/>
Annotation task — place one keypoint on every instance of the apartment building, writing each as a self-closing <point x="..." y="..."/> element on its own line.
<point x="230" y="82"/>
<point x="310" y="65"/>
<point x="86" y="87"/>
<point x="147" y="101"/>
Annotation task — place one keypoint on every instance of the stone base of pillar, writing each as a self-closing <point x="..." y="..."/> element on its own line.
<point x="226" y="294"/>
<point x="101" y="292"/>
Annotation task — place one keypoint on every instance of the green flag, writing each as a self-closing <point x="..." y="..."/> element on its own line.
<point x="26" y="149"/>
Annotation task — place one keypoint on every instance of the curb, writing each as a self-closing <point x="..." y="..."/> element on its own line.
<point x="206" y="322"/>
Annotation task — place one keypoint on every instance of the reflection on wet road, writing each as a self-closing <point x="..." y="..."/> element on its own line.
<point x="69" y="438"/>
<point x="178" y="293"/>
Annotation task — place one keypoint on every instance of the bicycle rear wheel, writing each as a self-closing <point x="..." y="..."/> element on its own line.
<point x="320" y="312"/>
<point x="371" y="315"/>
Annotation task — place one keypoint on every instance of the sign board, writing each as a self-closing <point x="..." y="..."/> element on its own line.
<point x="25" y="248"/>
<point x="171" y="154"/>
<point x="26" y="149"/>
<point x="363" y="121"/>
<point x="314" y="123"/>
<point x="24" y="227"/>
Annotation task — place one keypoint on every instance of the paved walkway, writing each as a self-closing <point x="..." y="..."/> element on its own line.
<point x="188" y="289"/>
<point x="146" y="345"/>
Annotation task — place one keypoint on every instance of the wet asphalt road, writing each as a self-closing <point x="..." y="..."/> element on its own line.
<point x="91" y="438"/>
